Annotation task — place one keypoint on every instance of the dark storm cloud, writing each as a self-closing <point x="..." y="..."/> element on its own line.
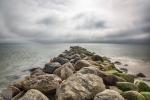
<point x="39" y="20"/>
<point x="145" y="16"/>
<point x="87" y="21"/>
<point x="49" y="21"/>
<point x="91" y="24"/>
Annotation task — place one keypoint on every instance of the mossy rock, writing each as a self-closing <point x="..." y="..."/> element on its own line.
<point x="108" y="66"/>
<point x="106" y="59"/>
<point x="126" y="86"/>
<point x="142" y="86"/>
<point x="115" y="89"/>
<point x="112" y="72"/>
<point x="146" y="95"/>
<point x="127" y="77"/>
<point x="133" y="95"/>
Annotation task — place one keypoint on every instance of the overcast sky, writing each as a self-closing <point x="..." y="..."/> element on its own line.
<point x="75" y="20"/>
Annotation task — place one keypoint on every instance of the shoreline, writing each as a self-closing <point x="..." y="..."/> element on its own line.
<point x="72" y="63"/>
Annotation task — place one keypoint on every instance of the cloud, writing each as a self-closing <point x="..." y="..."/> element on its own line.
<point x="88" y="21"/>
<point x="72" y="20"/>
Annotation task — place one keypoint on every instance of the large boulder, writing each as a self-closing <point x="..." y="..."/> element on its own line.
<point x="50" y="67"/>
<point x="108" y="95"/>
<point x="61" y="60"/>
<point x="1" y="97"/>
<point x="37" y="71"/>
<point x="115" y="89"/>
<point x="33" y="95"/>
<point x="107" y="78"/>
<point x="75" y="58"/>
<point x="80" y="87"/>
<point x="140" y="75"/>
<point x="92" y="70"/>
<point x="96" y="64"/>
<point x="126" y="86"/>
<point x="81" y="63"/>
<point x="142" y="86"/>
<point x="108" y="66"/>
<point x="10" y="92"/>
<point x="65" y="71"/>
<point x="133" y="95"/>
<point x="127" y="77"/>
<point x="146" y="95"/>
<point x="97" y="58"/>
<point x="112" y="79"/>
<point x="44" y="83"/>
<point x="117" y="63"/>
<point x="81" y="51"/>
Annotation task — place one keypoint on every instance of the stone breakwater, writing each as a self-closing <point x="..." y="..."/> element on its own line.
<point x="78" y="74"/>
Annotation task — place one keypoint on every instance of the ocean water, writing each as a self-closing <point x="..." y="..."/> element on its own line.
<point x="16" y="59"/>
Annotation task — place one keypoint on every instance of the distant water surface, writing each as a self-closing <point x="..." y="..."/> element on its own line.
<point x="16" y="58"/>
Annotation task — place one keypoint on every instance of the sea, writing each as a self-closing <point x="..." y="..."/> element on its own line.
<point x="17" y="59"/>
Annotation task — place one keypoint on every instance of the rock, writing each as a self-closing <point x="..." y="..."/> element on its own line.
<point x="94" y="63"/>
<point x="9" y="92"/>
<point x="112" y="80"/>
<point x="125" y="64"/>
<point x="75" y="58"/>
<point x="114" y="72"/>
<point x="97" y="58"/>
<point x="126" y="86"/>
<point x="108" y="66"/>
<point x="80" y="87"/>
<point x="18" y="85"/>
<point x="108" y="95"/>
<point x="146" y="79"/>
<point x="92" y="70"/>
<point x="146" y="95"/>
<point x="115" y="89"/>
<point x="62" y="55"/>
<point x="51" y="67"/>
<point x="61" y="60"/>
<point x="1" y="97"/>
<point x="108" y="79"/>
<point x="65" y="71"/>
<point x="140" y="75"/>
<point x="37" y="71"/>
<point x="117" y="63"/>
<point x="127" y="77"/>
<point x="124" y="69"/>
<point x="43" y="83"/>
<point x="133" y="95"/>
<point x="106" y="59"/>
<point x="19" y="95"/>
<point x="81" y="51"/>
<point x="33" y="95"/>
<point x="69" y="65"/>
<point x="142" y="86"/>
<point x="81" y="63"/>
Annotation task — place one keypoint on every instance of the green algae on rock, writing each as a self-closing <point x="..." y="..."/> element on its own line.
<point x="142" y="86"/>
<point x="126" y="86"/>
<point x="133" y="95"/>
<point x="146" y="95"/>
<point x="127" y="77"/>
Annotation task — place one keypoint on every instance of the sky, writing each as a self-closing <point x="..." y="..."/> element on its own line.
<point x="119" y="21"/>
